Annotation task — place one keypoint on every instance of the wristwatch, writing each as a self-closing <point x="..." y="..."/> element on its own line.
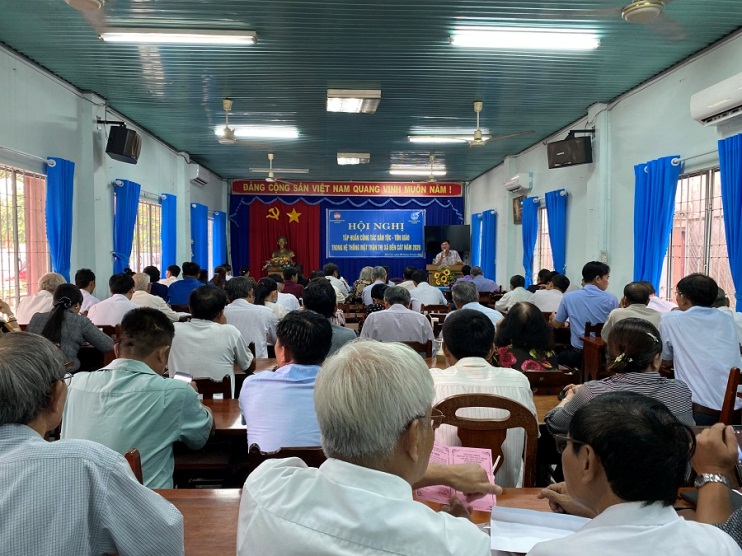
<point x="704" y="478"/>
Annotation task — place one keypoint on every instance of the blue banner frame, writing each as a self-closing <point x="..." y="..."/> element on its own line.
<point x="354" y="234"/>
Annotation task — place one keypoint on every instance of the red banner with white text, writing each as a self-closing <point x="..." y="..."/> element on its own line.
<point x="346" y="189"/>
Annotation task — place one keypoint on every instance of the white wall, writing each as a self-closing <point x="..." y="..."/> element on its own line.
<point x="647" y="123"/>
<point x="41" y="115"/>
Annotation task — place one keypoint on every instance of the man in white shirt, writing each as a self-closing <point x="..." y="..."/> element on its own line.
<point x="397" y="323"/>
<point x="408" y="283"/>
<point x="171" y="275"/>
<point x="208" y="347"/>
<point x="332" y="273"/>
<point x="85" y="280"/>
<point x="112" y="310"/>
<point x="466" y="296"/>
<point x="142" y="297"/>
<point x="374" y="407"/>
<point x="42" y="301"/>
<point x="633" y="305"/>
<point x="447" y="256"/>
<point x="379" y="277"/>
<point x="722" y="304"/>
<point x="423" y="293"/>
<point x="549" y="298"/>
<point x="468" y="343"/>
<point x="256" y="323"/>
<point x="286" y="300"/>
<point x="629" y="497"/>
<point x="516" y="294"/>
<point x="656" y="303"/>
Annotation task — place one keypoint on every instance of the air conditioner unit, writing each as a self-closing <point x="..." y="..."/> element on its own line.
<point x="719" y="103"/>
<point x="520" y="182"/>
<point x="199" y="175"/>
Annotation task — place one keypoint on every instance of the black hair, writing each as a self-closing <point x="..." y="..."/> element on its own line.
<point x="121" y="283"/>
<point x="643" y="448"/>
<point x="144" y="330"/>
<point x="289" y="273"/>
<point x="65" y="297"/>
<point x="174" y="270"/>
<point x="307" y="335"/>
<point x="330" y="269"/>
<point x="153" y="272"/>
<point x="220" y="277"/>
<point x="378" y="291"/>
<point x="277" y="278"/>
<point x="408" y="271"/>
<point x="420" y="276"/>
<point x="650" y="286"/>
<point x="468" y="333"/>
<point x="244" y="270"/>
<point x="83" y="277"/>
<point x="226" y="266"/>
<point x="263" y="289"/>
<point x="517" y="281"/>
<point x="191" y="269"/>
<point x="466" y="270"/>
<point x="319" y="296"/>
<point x="206" y="302"/>
<point x="526" y="328"/>
<point x="203" y="276"/>
<point x="543" y="276"/>
<point x="238" y="287"/>
<point x="316" y="274"/>
<point x="560" y="282"/>
<point x="593" y="270"/>
<point x="632" y="345"/>
<point x="700" y="289"/>
<point x="636" y="292"/>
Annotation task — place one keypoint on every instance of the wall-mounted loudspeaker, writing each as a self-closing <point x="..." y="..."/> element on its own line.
<point x="570" y="152"/>
<point x="124" y="144"/>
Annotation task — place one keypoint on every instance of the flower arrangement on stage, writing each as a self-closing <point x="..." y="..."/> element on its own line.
<point x="278" y="263"/>
<point x="443" y="277"/>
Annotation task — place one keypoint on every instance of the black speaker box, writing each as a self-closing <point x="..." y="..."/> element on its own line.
<point x="124" y="144"/>
<point x="577" y="150"/>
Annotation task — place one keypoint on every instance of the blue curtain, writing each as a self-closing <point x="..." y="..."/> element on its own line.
<point x="730" y="163"/>
<point x="489" y="244"/>
<point x="219" y="240"/>
<point x="169" y="231"/>
<point x="200" y="234"/>
<point x="476" y="239"/>
<point x="58" y="210"/>
<point x="126" y="202"/>
<point x="654" y="206"/>
<point x="556" y="210"/>
<point x="530" y="233"/>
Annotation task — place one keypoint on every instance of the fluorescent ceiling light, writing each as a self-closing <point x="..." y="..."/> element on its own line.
<point x="353" y="158"/>
<point x="417" y="170"/>
<point x="522" y="38"/>
<point x="354" y="101"/>
<point x="440" y="139"/>
<point x="280" y="170"/>
<point x="260" y="131"/>
<point x="179" y="36"/>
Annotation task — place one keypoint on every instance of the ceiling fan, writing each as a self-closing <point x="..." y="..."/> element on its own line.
<point x="271" y="171"/>
<point x="227" y="137"/>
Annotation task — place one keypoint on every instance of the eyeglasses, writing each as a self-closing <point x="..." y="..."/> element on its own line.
<point x="561" y="442"/>
<point x="436" y="418"/>
<point x="67" y="378"/>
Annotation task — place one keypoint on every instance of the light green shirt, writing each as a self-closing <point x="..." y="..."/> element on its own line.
<point x="127" y="405"/>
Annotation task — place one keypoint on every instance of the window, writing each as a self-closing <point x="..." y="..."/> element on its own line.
<point x="146" y="248"/>
<point x="24" y="250"/>
<point x="697" y="241"/>
<point x="542" y="257"/>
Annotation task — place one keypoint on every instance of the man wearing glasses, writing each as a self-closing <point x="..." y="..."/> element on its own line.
<point x="374" y="407"/>
<point x="70" y="496"/>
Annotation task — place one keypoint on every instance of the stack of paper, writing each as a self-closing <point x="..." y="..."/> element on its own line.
<point x="516" y="530"/>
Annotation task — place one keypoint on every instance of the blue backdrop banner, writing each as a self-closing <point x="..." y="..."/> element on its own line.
<point x="375" y="233"/>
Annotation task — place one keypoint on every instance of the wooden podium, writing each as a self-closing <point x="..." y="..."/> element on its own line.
<point x="445" y="276"/>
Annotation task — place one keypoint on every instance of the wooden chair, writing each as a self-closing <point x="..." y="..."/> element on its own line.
<point x="549" y="382"/>
<point x="427" y="347"/>
<point x="730" y="397"/>
<point x="209" y="387"/>
<point x="113" y="331"/>
<point x="438" y="323"/>
<point x="490" y="433"/>
<point x="313" y="456"/>
<point x="181" y="308"/>
<point x="425" y="309"/>
<point x="135" y="462"/>
<point x="593" y="329"/>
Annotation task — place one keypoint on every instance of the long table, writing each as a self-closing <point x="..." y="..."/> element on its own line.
<point x="210" y="515"/>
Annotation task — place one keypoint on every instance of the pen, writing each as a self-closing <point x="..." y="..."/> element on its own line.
<point x="494" y="467"/>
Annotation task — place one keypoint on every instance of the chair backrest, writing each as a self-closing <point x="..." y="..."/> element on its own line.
<point x="593" y="329"/>
<point x="485" y="298"/>
<point x="730" y="397"/>
<point x="253" y="365"/>
<point x="113" y="331"/>
<point x="544" y="382"/>
<point x="438" y="323"/>
<point x="209" y="387"/>
<point x="427" y="347"/>
<point x="313" y="456"/>
<point x="181" y="308"/>
<point x="490" y="433"/>
<point x="424" y="309"/>
<point x="135" y="462"/>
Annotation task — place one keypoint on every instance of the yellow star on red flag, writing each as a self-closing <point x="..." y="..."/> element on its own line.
<point x="293" y="215"/>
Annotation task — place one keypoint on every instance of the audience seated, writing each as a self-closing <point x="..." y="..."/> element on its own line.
<point x="702" y="344"/>
<point x="171" y="275"/>
<point x="110" y="311"/>
<point x="319" y="296"/>
<point x="266" y="294"/>
<point x="70" y="496"/>
<point x="256" y="323"/>
<point x="542" y="280"/>
<point x="379" y="276"/>
<point x="548" y="298"/>
<point x="179" y="290"/>
<point x="408" y="283"/>
<point x="155" y="287"/>
<point x="377" y="297"/>
<point x="291" y="285"/>
<point x="332" y="273"/>
<point x="143" y="297"/>
<point x="624" y="459"/>
<point x="590" y="304"/>
<point x="517" y="293"/>
<point x="278" y="406"/>
<point x="85" y="280"/>
<point x="132" y="405"/>
<point x="632" y="305"/>
<point x="286" y="300"/>
<point x="484" y="285"/>
<point x="42" y="301"/>
<point x="722" y="304"/>
<point x="525" y="341"/>
<point x="65" y="327"/>
<point x="423" y="293"/>
<point x="364" y="279"/>
<point x="397" y="323"/>
<point x="219" y="278"/>
<point x="465" y="274"/>
<point x="466" y="296"/>
<point x="659" y="305"/>
<point x="468" y="344"/>
<point x="373" y="404"/>
<point x="208" y="347"/>
<point x="634" y="350"/>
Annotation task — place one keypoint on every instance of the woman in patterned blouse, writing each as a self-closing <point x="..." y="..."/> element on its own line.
<point x="525" y="341"/>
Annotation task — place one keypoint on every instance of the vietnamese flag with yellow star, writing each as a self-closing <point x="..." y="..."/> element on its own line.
<point x="298" y="222"/>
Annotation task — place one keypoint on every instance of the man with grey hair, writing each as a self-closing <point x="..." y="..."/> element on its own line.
<point x="256" y="323"/>
<point x="374" y="408"/>
<point x="69" y="496"/>
<point x="143" y="297"/>
<point x="466" y="296"/>
<point x="397" y="323"/>
<point x="41" y="302"/>
<point x="484" y="285"/>
<point x="379" y="277"/>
